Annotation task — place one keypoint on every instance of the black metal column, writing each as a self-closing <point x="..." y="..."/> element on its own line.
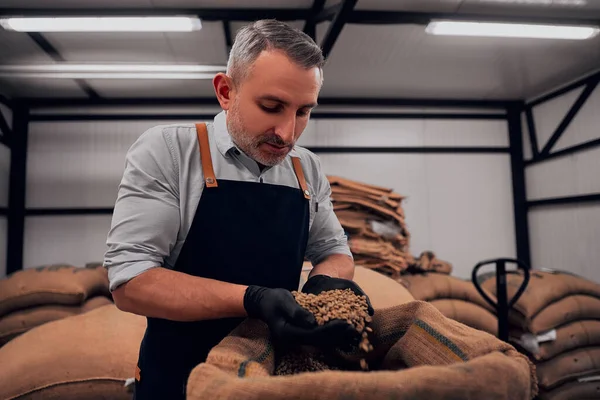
<point x="16" y="197"/>
<point x="517" y="164"/>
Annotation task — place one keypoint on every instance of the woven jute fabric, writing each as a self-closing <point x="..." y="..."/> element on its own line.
<point x="20" y="321"/>
<point x="573" y="391"/>
<point x="544" y="289"/>
<point x="570" y="337"/>
<point x="55" y="284"/>
<point x="569" y="309"/>
<point x="435" y="286"/>
<point x="468" y="313"/>
<point x="568" y="366"/>
<point x="62" y="359"/>
<point x="419" y="354"/>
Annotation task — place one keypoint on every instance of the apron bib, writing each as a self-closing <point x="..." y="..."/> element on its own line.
<point x="245" y="233"/>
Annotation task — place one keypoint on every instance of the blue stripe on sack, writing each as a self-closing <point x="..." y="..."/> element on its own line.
<point x="442" y="339"/>
<point x="261" y="358"/>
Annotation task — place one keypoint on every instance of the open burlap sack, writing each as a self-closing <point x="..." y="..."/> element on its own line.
<point x="383" y="292"/>
<point x="564" y="311"/>
<point x="544" y="289"/>
<point x="569" y="337"/>
<point x="573" y="391"/>
<point x="18" y="322"/>
<point x="436" y="286"/>
<point x="55" y="284"/>
<point x="568" y="366"/>
<point x="468" y="313"/>
<point x="83" y="357"/>
<point x="421" y="354"/>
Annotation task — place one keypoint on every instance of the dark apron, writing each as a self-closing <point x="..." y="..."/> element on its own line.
<point x="245" y="233"/>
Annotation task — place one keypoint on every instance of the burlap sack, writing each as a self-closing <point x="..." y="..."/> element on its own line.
<point x="422" y="355"/>
<point x="56" y="284"/>
<point x="573" y="391"/>
<point x="363" y="188"/>
<point x="570" y="337"/>
<point x="569" y="309"/>
<point x="435" y="286"/>
<point x="83" y="357"/>
<point x="18" y="322"/>
<point x="383" y="292"/>
<point x="544" y="288"/>
<point x="568" y="366"/>
<point x="469" y="314"/>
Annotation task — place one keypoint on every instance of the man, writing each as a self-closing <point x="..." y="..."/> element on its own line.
<point x="212" y="222"/>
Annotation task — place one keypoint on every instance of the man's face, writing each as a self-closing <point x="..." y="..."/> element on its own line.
<point x="271" y="107"/>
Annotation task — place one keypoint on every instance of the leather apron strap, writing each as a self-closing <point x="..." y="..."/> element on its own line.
<point x="300" y="175"/>
<point x="206" y="158"/>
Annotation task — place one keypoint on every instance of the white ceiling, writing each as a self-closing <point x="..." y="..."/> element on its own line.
<point x="366" y="61"/>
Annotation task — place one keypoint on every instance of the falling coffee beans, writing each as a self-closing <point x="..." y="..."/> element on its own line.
<point x="327" y="306"/>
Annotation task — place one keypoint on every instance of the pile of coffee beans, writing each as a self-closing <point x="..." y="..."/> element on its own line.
<point x="297" y="362"/>
<point x="328" y="306"/>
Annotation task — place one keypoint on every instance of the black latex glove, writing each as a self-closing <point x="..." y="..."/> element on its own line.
<point x="321" y="283"/>
<point x="290" y="324"/>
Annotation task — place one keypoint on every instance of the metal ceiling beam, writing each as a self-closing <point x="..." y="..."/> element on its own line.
<point x="564" y="124"/>
<point x="557" y="93"/>
<point x="206" y="14"/>
<point x="423" y="18"/>
<point x="51" y="51"/>
<point x="227" y="33"/>
<point x="310" y="27"/>
<point x="564" y="152"/>
<point x="331" y="101"/>
<point x="334" y="30"/>
<point x="5" y="130"/>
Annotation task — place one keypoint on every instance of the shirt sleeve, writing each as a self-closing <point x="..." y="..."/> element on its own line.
<point x="146" y="217"/>
<point x="326" y="236"/>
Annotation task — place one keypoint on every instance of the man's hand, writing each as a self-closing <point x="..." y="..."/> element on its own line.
<point x="289" y="323"/>
<point x="321" y="283"/>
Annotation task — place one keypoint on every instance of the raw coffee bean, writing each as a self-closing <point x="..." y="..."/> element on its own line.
<point x="327" y="306"/>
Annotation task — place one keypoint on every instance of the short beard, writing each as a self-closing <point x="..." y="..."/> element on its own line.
<point x="251" y="145"/>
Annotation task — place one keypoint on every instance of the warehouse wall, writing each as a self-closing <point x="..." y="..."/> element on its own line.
<point x="566" y="236"/>
<point x="4" y="174"/>
<point x="458" y="205"/>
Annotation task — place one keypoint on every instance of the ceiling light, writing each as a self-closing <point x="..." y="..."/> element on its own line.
<point x="102" y="24"/>
<point x="465" y="28"/>
<point x="111" y="71"/>
<point x="113" y="68"/>
<point x="100" y="75"/>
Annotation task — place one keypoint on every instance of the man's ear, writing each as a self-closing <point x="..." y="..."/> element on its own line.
<point x="224" y="89"/>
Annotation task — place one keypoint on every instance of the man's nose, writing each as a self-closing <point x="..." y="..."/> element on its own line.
<point x="287" y="128"/>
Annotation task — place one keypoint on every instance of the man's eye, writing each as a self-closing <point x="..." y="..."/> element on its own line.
<point x="271" y="110"/>
<point x="302" y="113"/>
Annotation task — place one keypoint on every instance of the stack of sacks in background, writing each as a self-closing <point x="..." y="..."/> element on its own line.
<point x="35" y="296"/>
<point x="374" y="221"/>
<point x="557" y="323"/>
<point x="455" y="298"/>
<point x="89" y="356"/>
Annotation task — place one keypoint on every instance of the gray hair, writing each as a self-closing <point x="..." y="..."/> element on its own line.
<point x="270" y="34"/>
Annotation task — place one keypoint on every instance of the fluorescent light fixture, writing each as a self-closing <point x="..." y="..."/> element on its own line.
<point x="111" y="71"/>
<point x="100" y="75"/>
<point x="102" y="24"/>
<point x="493" y="29"/>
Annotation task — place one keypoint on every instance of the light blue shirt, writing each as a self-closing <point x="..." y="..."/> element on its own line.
<point x="162" y="184"/>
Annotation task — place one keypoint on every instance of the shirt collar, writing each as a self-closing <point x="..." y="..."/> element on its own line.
<point x="223" y="138"/>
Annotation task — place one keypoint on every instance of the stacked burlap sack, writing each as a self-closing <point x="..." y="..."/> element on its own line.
<point x="35" y="296"/>
<point x="89" y="356"/>
<point x="455" y="298"/>
<point x="418" y="354"/>
<point x="557" y="322"/>
<point x="374" y="221"/>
